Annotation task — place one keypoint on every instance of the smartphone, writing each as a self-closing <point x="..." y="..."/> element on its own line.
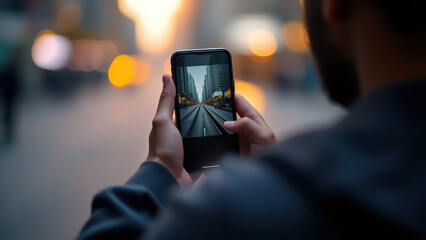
<point x="204" y="101"/>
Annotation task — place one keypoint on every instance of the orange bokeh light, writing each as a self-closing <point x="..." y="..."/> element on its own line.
<point x="252" y="93"/>
<point x="122" y="71"/>
<point x="90" y="55"/>
<point x="294" y="37"/>
<point x="142" y="72"/>
<point x="128" y="70"/>
<point x="44" y="32"/>
<point x="262" y="43"/>
<point x="69" y="17"/>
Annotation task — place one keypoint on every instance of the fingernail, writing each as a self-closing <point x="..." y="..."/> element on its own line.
<point x="165" y="81"/>
<point x="229" y="123"/>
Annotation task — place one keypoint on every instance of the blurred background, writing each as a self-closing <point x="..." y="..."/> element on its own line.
<point x="80" y="81"/>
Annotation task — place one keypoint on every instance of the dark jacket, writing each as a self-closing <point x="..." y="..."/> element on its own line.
<point x="363" y="178"/>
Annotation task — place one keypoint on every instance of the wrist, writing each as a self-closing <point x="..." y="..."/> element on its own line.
<point x="180" y="174"/>
<point x="154" y="177"/>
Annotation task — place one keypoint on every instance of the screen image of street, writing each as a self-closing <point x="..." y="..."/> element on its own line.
<point x="205" y="100"/>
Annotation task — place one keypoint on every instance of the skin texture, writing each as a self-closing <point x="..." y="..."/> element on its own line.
<point x="357" y="49"/>
<point x="357" y="53"/>
<point x="337" y="71"/>
<point x="254" y="133"/>
<point x="165" y="140"/>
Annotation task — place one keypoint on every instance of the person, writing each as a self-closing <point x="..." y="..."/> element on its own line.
<point x="362" y="178"/>
<point x="9" y="94"/>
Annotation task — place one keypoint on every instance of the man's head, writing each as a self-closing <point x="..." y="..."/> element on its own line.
<point x="334" y="27"/>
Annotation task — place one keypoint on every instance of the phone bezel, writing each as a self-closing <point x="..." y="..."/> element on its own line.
<point x="192" y="165"/>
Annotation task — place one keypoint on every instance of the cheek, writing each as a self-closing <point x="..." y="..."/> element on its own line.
<point x="305" y="27"/>
<point x="314" y="23"/>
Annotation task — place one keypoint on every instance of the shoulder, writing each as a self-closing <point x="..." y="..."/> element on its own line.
<point x="245" y="199"/>
<point x="321" y="147"/>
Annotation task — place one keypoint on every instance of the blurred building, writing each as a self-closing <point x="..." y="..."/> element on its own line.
<point x="192" y="90"/>
<point x="89" y="83"/>
<point x="230" y="24"/>
<point x="216" y="82"/>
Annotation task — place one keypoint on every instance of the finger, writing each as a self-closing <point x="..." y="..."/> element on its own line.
<point x="252" y="131"/>
<point x="167" y="100"/>
<point x="244" y="109"/>
<point x="194" y="176"/>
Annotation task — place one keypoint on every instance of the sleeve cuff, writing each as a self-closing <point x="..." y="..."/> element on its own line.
<point x="155" y="177"/>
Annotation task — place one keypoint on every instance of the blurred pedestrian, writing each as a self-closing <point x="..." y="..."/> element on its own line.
<point x="9" y="90"/>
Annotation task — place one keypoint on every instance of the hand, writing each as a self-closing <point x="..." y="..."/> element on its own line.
<point x="254" y="133"/>
<point x="165" y="141"/>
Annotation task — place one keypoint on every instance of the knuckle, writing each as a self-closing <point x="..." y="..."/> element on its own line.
<point x="165" y="94"/>
<point x="268" y="137"/>
<point x="159" y="121"/>
<point x="271" y="136"/>
<point x="245" y="121"/>
<point x="165" y="153"/>
<point x="245" y="126"/>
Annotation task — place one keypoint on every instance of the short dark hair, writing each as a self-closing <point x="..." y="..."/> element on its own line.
<point x="405" y="16"/>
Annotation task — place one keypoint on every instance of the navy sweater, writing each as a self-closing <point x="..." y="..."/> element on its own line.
<point x="363" y="178"/>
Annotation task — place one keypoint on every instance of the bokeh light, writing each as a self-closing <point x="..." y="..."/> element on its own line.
<point x="51" y="51"/>
<point x="122" y="71"/>
<point x="262" y="43"/>
<point x="86" y="102"/>
<point x="69" y="17"/>
<point x="294" y="37"/>
<point x="143" y="71"/>
<point x="90" y="55"/>
<point x="109" y="52"/>
<point x="128" y="70"/>
<point x="167" y="67"/>
<point x="87" y="55"/>
<point x="44" y="32"/>
<point x="252" y="93"/>
<point x="155" y="22"/>
<point x="238" y="32"/>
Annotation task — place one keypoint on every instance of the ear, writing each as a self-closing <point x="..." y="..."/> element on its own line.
<point x="335" y="10"/>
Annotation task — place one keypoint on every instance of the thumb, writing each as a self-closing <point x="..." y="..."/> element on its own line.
<point x="248" y="128"/>
<point x="166" y="104"/>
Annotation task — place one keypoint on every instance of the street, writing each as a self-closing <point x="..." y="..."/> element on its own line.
<point x="204" y="120"/>
<point x="67" y="151"/>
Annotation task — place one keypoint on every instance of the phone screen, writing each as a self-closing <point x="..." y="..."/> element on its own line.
<point x="205" y="100"/>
